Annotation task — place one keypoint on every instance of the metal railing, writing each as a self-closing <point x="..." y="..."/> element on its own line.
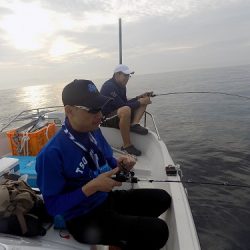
<point x="30" y="114"/>
<point x="34" y="114"/>
<point x="153" y="120"/>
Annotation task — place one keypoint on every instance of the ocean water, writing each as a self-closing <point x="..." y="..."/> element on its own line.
<point x="207" y="134"/>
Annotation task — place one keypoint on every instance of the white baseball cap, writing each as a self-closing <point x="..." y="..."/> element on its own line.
<point x="124" y="69"/>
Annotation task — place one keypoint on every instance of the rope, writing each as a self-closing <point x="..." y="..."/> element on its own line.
<point x="47" y="132"/>
<point x="24" y="144"/>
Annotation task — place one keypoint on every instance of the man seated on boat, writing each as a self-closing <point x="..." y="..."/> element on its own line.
<point x="74" y="174"/>
<point x="123" y="113"/>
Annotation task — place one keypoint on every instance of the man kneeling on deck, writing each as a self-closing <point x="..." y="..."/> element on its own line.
<point x="123" y="113"/>
<point x="74" y="174"/>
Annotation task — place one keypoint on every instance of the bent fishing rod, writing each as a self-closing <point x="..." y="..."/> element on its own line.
<point x="151" y="94"/>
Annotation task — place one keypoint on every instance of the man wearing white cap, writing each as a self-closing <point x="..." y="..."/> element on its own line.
<point x="126" y="114"/>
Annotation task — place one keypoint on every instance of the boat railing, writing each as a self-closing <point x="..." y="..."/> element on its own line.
<point x="30" y="114"/>
<point x="146" y="113"/>
<point x="37" y="113"/>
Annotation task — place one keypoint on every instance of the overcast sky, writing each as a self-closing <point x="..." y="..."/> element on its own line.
<point x="55" y="41"/>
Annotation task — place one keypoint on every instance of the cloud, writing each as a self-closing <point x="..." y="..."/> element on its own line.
<point x="54" y="40"/>
<point x="85" y="21"/>
<point x="5" y="11"/>
<point x="135" y="9"/>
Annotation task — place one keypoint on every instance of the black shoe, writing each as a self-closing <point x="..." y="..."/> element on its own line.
<point x="138" y="129"/>
<point x="131" y="150"/>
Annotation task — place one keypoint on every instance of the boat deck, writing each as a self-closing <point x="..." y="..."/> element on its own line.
<point x="149" y="166"/>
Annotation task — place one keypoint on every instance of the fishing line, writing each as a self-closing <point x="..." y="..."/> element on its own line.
<point x="191" y="181"/>
<point x="200" y="92"/>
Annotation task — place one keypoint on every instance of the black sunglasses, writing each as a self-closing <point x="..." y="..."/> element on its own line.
<point x="92" y="110"/>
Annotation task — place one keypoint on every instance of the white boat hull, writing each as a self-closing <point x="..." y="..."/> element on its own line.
<point x="150" y="167"/>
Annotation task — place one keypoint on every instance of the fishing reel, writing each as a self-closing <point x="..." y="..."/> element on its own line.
<point x="125" y="176"/>
<point x="151" y="94"/>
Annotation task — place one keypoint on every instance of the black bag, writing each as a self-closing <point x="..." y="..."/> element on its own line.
<point x="11" y="225"/>
<point x="22" y="211"/>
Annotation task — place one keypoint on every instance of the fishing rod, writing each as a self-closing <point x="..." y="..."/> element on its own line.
<point x="130" y="178"/>
<point x="151" y="94"/>
<point x="199" y="183"/>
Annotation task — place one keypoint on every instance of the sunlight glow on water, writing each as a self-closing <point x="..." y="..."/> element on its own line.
<point x="33" y="96"/>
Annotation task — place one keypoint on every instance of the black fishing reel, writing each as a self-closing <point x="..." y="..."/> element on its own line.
<point x="123" y="176"/>
<point x="151" y="94"/>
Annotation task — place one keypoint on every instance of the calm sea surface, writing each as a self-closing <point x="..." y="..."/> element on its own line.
<point x="207" y="134"/>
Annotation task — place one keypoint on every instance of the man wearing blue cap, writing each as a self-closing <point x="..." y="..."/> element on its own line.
<point x="74" y="175"/>
<point x="123" y="113"/>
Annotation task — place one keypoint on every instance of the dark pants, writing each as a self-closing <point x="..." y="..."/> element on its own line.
<point x="127" y="219"/>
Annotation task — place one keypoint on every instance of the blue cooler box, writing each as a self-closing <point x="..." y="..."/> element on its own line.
<point x="27" y="166"/>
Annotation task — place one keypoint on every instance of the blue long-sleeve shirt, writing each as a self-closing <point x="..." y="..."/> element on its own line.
<point x="112" y="89"/>
<point x="63" y="168"/>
